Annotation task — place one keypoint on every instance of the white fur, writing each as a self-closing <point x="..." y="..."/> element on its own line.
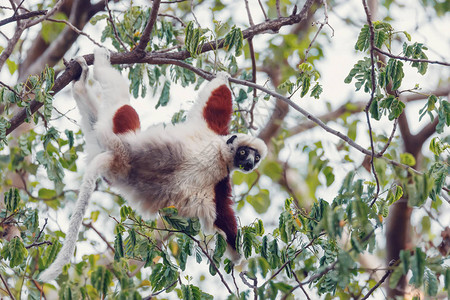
<point x="165" y="165"/>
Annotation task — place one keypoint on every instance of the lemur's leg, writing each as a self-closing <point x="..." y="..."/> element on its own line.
<point x="116" y="109"/>
<point x="85" y="101"/>
<point x="114" y="86"/>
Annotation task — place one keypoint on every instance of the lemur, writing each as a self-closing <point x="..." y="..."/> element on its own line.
<point x="187" y="165"/>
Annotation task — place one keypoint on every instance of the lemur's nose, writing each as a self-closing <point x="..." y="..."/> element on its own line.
<point x="249" y="164"/>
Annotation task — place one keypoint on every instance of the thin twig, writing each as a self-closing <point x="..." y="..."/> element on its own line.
<point x="386" y="275"/>
<point x="161" y="291"/>
<point x="35" y="243"/>
<point x="277" y="5"/>
<point x="78" y="31"/>
<point x="90" y="226"/>
<point x="411" y="59"/>
<point x="234" y="281"/>
<point x="146" y="34"/>
<point x="7" y="287"/>
<point x="113" y="25"/>
<point x="253" y="59"/>
<point x="54" y="9"/>
<point x="300" y="285"/>
<point x="249" y="15"/>
<point x="173" y="17"/>
<point x="263" y="11"/>
<point x="193" y="14"/>
<point x="290" y="260"/>
<point x="39" y="287"/>
<point x="394" y="128"/>
<point x="9" y="88"/>
<point x="372" y="97"/>
<point x="322" y="24"/>
<point x="211" y="261"/>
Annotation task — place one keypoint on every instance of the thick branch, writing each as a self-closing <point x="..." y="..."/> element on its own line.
<point x="73" y="71"/>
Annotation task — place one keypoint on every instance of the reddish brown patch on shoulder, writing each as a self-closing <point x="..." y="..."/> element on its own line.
<point x="226" y="220"/>
<point x="218" y="110"/>
<point x="125" y="119"/>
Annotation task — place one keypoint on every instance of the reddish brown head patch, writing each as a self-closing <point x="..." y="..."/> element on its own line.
<point x="218" y="110"/>
<point x="125" y="119"/>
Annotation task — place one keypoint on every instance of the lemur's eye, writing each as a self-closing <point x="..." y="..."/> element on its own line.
<point x="257" y="157"/>
<point x="242" y="152"/>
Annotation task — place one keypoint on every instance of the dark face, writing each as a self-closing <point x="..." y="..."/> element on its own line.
<point x="246" y="158"/>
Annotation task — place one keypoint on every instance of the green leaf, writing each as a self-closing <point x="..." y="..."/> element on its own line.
<point x="249" y="241"/>
<point x="70" y="138"/>
<point x="306" y="83"/>
<point x="395" y="276"/>
<point x="363" y="42"/>
<point x="51" y="30"/>
<point x="394" y="73"/>
<point x="415" y="51"/>
<point x="265" y="248"/>
<point x="405" y="257"/>
<point x="235" y="39"/>
<point x="362" y="72"/>
<point x="125" y="212"/>
<point x="316" y="91"/>
<point x="260" y="201"/>
<point x="407" y="159"/>
<point x="101" y="278"/>
<point x="118" y="246"/>
<point x="447" y="281"/>
<point x="97" y="18"/>
<point x="241" y="97"/>
<point x="431" y="283"/>
<point x="12" y="199"/>
<point x="418" y="267"/>
<point x="194" y="39"/>
<point x="165" y="95"/>
<point x="219" y="250"/>
<point x="12" y="66"/>
<point x="374" y="110"/>
<point x="17" y="252"/>
<point x="394" y="197"/>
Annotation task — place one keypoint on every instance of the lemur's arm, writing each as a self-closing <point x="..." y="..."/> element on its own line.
<point x="214" y="106"/>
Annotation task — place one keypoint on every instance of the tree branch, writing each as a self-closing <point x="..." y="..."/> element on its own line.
<point x="351" y="107"/>
<point x="145" y="38"/>
<point x="411" y="59"/>
<point x="74" y="70"/>
<point x="386" y="275"/>
<point x="372" y="95"/>
<point x="7" y="287"/>
<point x="24" y="16"/>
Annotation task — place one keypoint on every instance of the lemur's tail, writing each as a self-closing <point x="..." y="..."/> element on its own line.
<point x="87" y="188"/>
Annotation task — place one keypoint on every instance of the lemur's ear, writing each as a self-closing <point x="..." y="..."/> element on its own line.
<point x="231" y="139"/>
